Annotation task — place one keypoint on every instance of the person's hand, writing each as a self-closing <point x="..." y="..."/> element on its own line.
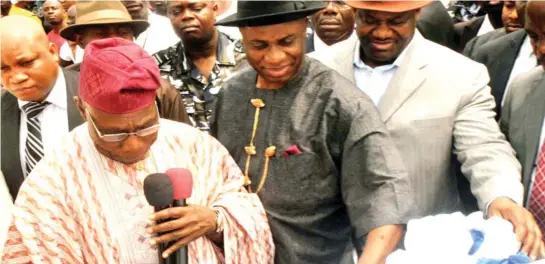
<point x="526" y="228"/>
<point x="187" y="224"/>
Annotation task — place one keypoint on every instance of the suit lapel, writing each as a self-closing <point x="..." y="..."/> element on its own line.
<point x="409" y="76"/>
<point x="72" y="84"/>
<point x="533" y="122"/>
<point x="11" y="161"/>
<point x="346" y="61"/>
<point x="503" y="67"/>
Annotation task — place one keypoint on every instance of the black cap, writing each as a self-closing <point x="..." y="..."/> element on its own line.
<point x="263" y="13"/>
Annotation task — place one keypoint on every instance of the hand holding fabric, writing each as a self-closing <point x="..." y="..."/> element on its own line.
<point x="186" y="224"/>
<point x="526" y="228"/>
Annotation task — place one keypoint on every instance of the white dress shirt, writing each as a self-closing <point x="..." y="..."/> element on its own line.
<point x="320" y="46"/>
<point x="526" y="60"/>
<point x="53" y="119"/>
<point x="158" y="36"/>
<point x="375" y="81"/>
<point x="65" y="53"/>
<point x="486" y="26"/>
<point x="541" y="138"/>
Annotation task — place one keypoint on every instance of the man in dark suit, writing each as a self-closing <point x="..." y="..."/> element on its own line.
<point x="505" y="58"/>
<point x="37" y="107"/>
<point x="523" y="115"/>
<point x="465" y="31"/>
<point x="331" y="25"/>
<point x="436" y="25"/>
<point x="511" y="23"/>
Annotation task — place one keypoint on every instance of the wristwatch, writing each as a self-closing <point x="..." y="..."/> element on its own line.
<point x="219" y="219"/>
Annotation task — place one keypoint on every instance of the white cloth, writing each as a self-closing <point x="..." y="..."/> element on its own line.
<point x="53" y="119"/>
<point x="159" y="36"/>
<point x="66" y="54"/>
<point x="320" y="46"/>
<point x="6" y="204"/>
<point x="447" y="239"/>
<point x="375" y="81"/>
<point x="485" y="27"/>
<point x="526" y="60"/>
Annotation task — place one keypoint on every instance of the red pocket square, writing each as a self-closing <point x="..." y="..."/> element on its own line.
<point x="291" y="150"/>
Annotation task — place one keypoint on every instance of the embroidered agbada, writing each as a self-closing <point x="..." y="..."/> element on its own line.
<point x="78" y="206"/>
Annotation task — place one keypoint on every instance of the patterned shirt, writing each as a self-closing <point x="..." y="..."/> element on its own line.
<point x="199" y="93"/>
<point x="93" y="209"/>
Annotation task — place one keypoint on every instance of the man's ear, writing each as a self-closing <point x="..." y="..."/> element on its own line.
<point x="417" y="14"/>
<point x="79" y="105"/>
<point x="79" y="40"/>
<point x="215" y="7"/>
<point x="52" y="48"/>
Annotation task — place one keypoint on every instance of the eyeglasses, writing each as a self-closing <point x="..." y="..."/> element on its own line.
<point x="122" y="136"/>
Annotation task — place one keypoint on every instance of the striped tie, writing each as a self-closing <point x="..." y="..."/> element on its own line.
<point x="34" y="150"/>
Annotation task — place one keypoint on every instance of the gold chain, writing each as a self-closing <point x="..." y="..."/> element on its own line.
<point x="251" y="150"/>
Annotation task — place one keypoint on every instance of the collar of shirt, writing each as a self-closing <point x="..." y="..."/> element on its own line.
<point x="358" y="63"/>
<point x="222" y="58"/>
<point x="320" y="45"/>
<point x="57" y="96"/>
<point x="526" y="49"/>
<point x="485" y="27"/>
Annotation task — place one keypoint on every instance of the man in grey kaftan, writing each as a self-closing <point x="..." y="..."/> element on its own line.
<point x="348" y="173"/>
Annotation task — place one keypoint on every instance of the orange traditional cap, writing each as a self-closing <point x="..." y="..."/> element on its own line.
<point x="388" y="6"/>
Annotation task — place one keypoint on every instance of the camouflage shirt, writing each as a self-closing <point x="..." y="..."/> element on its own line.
<point x="198" y="93"/>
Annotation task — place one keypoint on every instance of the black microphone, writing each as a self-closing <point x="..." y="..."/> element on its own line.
<point x="159" y="193"/>
<point x="182" y="186"/>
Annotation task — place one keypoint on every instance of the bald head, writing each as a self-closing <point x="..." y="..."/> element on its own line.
<point x="29" y="62"/>
<point x="27" y="30"/>
<point x="71" y="15"/>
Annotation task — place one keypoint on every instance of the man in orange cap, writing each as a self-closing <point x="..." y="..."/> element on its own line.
<point x="437" y="106"/>
<point x="84" y="202"/>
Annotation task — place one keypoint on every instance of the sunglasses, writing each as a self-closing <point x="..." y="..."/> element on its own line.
<point x="122" y="136"/>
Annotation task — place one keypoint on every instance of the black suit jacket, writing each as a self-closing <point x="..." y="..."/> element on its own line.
<point x="9" y="131"/>
<point x="474" y="44"/>
<point x="499" y="57"/>
<point x="467" y="30"/>
<point x="436" y="25"/>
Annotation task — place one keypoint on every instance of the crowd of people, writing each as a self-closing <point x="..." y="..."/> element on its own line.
<point x="313" y="130"/>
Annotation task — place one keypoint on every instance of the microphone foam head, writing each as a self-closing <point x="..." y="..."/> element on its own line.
<point x="158" y="190"/>
<point x="182" y="183"/>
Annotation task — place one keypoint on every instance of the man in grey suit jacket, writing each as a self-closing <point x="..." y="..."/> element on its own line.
<point x="436" y="105"/>
<point x="522" y="119"/>
<point x="523" y="116"/>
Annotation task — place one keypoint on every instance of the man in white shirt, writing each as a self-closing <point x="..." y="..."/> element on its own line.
<point x="159" y="35"/>
<point x="523" y="114"/>
<point x="37" y="107"/>
<point x="437" y="106"/>
<point x="333" y="24"/>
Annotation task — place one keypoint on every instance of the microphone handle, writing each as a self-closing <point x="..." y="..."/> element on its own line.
<point x="180" y="256"/>
<point x="162" y="246"/>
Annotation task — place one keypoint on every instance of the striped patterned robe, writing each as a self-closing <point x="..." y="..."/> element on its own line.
<point x="78" y="206"/>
